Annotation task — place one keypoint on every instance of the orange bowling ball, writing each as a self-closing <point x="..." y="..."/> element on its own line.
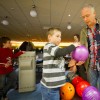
<point x="67" y="91"/>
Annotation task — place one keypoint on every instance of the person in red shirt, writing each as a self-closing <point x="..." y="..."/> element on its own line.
<point x="6" y="68"/>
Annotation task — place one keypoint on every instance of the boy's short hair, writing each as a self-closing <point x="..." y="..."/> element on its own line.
<point x="4" y="40"/>
<point x="51" y="31"/>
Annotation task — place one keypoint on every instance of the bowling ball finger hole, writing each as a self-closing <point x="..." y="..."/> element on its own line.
<point x="62" y="93"/>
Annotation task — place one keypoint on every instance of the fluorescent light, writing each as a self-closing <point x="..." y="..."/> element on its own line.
<point x="38" y="44"/>
<point x="69" y="27"/>
<point x="46" y="27"/>
<point x="33" y="13"/>
<point x="4" y="22"/>
<point x="69" y="15"/>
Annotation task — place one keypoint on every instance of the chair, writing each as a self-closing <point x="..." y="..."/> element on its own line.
<point x="27" y="73"/>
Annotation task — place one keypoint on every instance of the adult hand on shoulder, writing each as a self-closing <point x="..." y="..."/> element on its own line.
<point x="23" y="52"/>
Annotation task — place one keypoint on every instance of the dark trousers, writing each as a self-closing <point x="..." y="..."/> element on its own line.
<point x="81" y="71"/>
<point x="8" y="82"/>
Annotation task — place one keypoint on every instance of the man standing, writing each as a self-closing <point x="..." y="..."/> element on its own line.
<point x="90" y="37"/>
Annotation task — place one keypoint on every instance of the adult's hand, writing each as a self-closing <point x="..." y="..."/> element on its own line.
<point x="72" y="62"/>
<point x="80" y="63"/>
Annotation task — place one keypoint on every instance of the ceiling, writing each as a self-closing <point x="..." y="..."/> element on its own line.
<point x="50" y="13"/>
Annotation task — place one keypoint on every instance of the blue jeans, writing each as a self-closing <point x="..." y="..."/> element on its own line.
<point x="50" y="93"/>
<point x="94" y="77"/>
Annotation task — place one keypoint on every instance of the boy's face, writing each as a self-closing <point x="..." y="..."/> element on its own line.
<point x="55" y="38"/>
<point x="7" y="44"/>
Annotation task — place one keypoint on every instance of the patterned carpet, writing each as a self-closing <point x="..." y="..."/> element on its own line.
<point x="35" y="95"/>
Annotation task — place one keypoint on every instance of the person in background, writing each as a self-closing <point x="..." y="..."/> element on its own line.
<point x="81" y="71"/>
<point x="53" y="75"/>
<point x="90" y="37"/>
<point x="27" y="46"/>
<point x="76" y="38"/>
<point x="8" y="76"/>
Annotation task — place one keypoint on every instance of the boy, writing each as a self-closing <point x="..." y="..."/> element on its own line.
<point x="6" y="68"/>
<point x="53" y="75"/>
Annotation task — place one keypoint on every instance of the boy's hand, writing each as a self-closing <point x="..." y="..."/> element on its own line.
<point x="7" y="64"/>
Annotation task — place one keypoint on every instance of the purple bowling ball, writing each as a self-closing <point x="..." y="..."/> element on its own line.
<point x="80" y="53"/>
<point x="91" y="93"/>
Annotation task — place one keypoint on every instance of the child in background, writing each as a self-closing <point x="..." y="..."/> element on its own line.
<point x="80" y="69"/>
<point x="6" y="69"/>
<point x="53" y="76"/>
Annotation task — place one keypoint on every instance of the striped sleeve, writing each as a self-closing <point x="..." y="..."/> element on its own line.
<point x="51" y="49"/>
